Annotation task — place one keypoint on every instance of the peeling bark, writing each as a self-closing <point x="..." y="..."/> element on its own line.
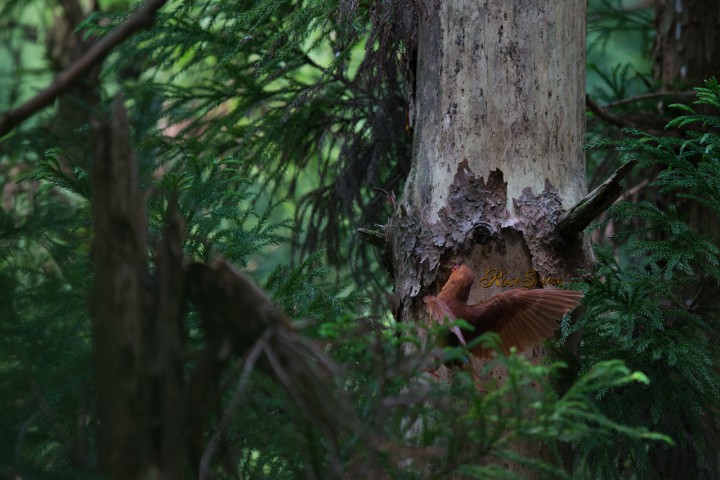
<point x="500" y="106"/>
<point x="474" y="212"/>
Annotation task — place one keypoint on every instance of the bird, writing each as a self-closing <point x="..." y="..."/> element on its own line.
<point x="521" y="317"/>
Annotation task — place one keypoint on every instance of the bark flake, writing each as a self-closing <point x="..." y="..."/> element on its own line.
<point x="536" y="216"/>
<point x="473" y="213"/>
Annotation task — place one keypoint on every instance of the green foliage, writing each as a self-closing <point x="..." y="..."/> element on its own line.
<point x="48" y="425"/>
<point x="617" y="83"/>
<point x="610" y="17"/>
<point x="620" y="78"/>
<point x="51" y="174"/>
<point x="217" y="201"/>
<point x="620" y="40"/>
<point x="659" y="313"/>
<point x="302" y="291"/>
<point x="412" y="424"/>
<point x="45" y="342"/>
<point x="305" y="89"/>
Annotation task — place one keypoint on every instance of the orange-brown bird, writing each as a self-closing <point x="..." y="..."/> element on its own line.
<point x="521" y="317"/>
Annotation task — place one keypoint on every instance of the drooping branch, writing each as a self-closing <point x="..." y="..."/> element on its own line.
<point x="141" y="19"/>
<point x="586" y="210"/>
<point x="236" y="315"/>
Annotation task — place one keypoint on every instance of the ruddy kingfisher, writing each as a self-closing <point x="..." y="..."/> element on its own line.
<point x="521" y="317"/>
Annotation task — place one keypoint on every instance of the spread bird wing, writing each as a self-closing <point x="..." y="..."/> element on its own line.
<point x="439" y="311"/>
<point x="522" y="318"/>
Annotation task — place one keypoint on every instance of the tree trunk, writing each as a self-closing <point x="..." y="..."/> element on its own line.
<point x="687" y="42"/>
<point x="137" y="319"/>
<point x="152" y="422"/>
<point x="498" y="150"/>
<point x="119" y="307"/>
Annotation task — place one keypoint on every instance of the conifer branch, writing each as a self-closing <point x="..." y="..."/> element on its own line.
<point x="141" y="19"/>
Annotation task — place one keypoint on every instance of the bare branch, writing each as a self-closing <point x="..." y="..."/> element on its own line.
<point x="141" y="19"/>
<point x="236" y="314"/>
<point x="603" y="114"/>
<point x="648" y="96"/>
<point x="624" y="122"/>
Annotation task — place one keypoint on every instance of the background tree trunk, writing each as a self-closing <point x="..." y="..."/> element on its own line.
<point x="498" y="150"/>
<point x="687" y="42"/>
<point x="137" y="319"/>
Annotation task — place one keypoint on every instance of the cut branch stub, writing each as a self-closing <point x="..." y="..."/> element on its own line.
<point x="579" y="217"/>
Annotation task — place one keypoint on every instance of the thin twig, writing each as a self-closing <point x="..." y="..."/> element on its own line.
<point x="21" y="436"/>
<point x="141" y="19"/>
<point x="284" y="379"/>
<point x="250" y="360"/>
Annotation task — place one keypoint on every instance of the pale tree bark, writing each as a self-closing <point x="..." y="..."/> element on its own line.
<point x="498" y="152"/>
